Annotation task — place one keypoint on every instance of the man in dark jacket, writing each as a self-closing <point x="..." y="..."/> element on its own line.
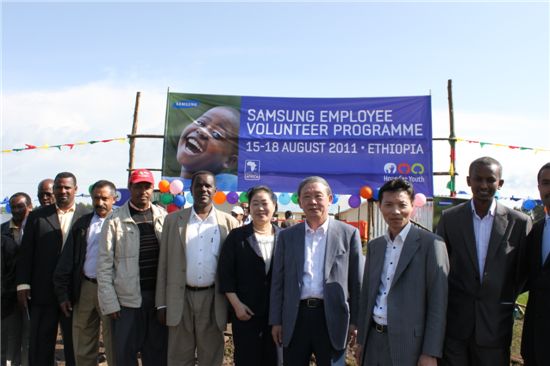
<point x="75" y="279"/>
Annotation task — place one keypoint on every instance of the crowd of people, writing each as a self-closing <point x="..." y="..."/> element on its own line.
<point x="163" y="287"/>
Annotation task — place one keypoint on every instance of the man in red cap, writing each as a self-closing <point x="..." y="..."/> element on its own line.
<point x="127" y="274"/>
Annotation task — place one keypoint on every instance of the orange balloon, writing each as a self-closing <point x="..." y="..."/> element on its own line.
<point x="164" y="186"/>
<point x="219" y="198"/>
<point x="366" y="192"/>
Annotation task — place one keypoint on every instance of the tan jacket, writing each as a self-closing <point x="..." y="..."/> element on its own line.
<point x="171" y="276"/>
<point x="118" y="260"/>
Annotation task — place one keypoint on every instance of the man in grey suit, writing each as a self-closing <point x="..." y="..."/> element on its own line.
<point x="404" y="295"/>
<point x="316" y="282"/>
<point x="486" y="245"/>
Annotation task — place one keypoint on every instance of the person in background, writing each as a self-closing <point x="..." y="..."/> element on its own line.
<point x="188" y="297"/>
<point x="127" y="272"/>
<point x="75" y="278"/>
<point x="536" y="326"/>
<point x="404" y="294"/>
<point x="317" y="273"/>
<point x="15" y="324"/>
<point x="238" y="213"/>
<point x="46" y="233"/>
<point x="45" y="192"/>
<point x="289" y="220"/>
<point x="247" y="219"/>
<point x="244" y="271"/>
<point x="486" y="242"/>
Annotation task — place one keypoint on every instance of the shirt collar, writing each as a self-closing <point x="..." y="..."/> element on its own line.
<point x="196" y="218"/>
<point x="402" y="234"/>
<point x="71" y="209"/>
<point x="492" y="208"/>
<point x="321" y="229"/>
<point x="13" y="225"/>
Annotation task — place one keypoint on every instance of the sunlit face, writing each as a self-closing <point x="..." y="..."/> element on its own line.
<point x="64" y="190"/>
<point x="103" y="200"/>
<point x="19" y="209"/>
<point x="315" y="200"/>
<point x="397" y="208"/>
<point x="203" y="189"/>
<point x="140" y="194"/>
<point x="209" y="143"/>
<point x="262" y="207"/>
<point x="544" y="188"/>
<point x="45" y="193"/>
<point x="484" y="181"/>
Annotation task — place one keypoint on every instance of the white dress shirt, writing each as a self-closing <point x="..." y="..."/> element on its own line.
<point x="546" y="239"/>
<point x="265" y="242"/>
<point x="92" y="246"/>
<point x="202" y="249"/>
<point x="314" y="263"/>
<point x="482" y="232"/>
<point x="391" y="259"/>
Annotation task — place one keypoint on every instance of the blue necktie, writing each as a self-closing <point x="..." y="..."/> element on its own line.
<point x="546" y="240"/>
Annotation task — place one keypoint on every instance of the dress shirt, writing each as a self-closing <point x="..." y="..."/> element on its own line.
<point x="391" y="259"/>
<point x="65" y="219"/>
<point x="16" y="231"/>
<point x="482" y="231"/>
<point x="202" y="249"/>
<point x="546" y="239"/>
<point x="92" y="246"/>
<point x="314" y="264"/>
<point x="265" y="242"/>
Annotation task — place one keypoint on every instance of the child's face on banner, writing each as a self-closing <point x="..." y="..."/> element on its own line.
<point x="210" y="142"/>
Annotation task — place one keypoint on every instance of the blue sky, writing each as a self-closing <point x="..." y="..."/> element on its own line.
<point x="70" y="72"/>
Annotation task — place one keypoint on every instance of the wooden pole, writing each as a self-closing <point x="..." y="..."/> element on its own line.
<point x="132" y="135"/>
<point x="452" y="139"/>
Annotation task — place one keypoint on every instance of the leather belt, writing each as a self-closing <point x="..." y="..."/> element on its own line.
<point x="199" y="288"/>
<point x="92" y="280"/>
<point x="312" y="302"/>
<point x="379" y="327"/>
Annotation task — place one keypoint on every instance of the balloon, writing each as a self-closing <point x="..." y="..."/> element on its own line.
<point x="376" y="194"/>
<point x="529" y="204"/>
<point x="176" y="186"/>
<point x="179" y="200"/>
<point x="189" y="198"/>
<point x="166" y="198"/>
<point x="243" y="197"/>
<point x="164" y="186"/>
<point x="219" y="198"/>
<point x="284" y="198"/>
<point x="294" y="198"/>
<point x="419" y="200"/>
<point x="8" y="208"/>
<point x="497" y="195"/>
<point x="172" y="207"/>
<point x="366" y="192"/>
<point x="90" y="189"/>
<point x="335" y="199"/>
<point x="232" y="197"/>
<point x="354" y="201"/>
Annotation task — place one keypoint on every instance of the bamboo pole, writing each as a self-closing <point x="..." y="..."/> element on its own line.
<point x="132" y="136"/>
<point x="452" y="139"/>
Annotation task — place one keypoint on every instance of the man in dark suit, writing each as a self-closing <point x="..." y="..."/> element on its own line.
<point x="316" y="281"/>
<point x="536" y="326"/>
<point x="404" y="294"/>
<point x="486" y="242"/>
<point x="46" y="231"/>
<point x="75" y="278"/>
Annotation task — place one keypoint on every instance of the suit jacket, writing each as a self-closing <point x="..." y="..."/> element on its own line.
<point x="482" y="305"/>
<point x="40" y="249"/>
<point x="69" y="271"/>
<point x="343" y="272"/>
<point x="171" y="275"/>
<point x="536" y="326"/>
<point x="417" y="300"/>
<point x="241" y="269"/>
<point x="7" y="257"/>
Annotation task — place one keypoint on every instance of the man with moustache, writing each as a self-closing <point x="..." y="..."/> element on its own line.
<point x="486" y="242"/>
<point x="188" y="296"/>
<point x="45" y="192"/>
<point x="75" y="278"/>
<point x="536" y="326"/>
<point x="45" y="235"/>
<point x="126" y="275"/>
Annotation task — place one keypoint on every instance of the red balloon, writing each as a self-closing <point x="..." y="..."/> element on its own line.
<point x="366" y="192"/>
<point x="172" y="207"/>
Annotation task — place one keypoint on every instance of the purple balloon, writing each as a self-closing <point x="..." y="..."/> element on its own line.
<point x="354" y="201"/>
<point x="232" y="197"/>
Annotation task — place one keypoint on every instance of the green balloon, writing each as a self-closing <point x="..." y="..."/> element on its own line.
<point x="166" y="198"/>
<point x="294" y="198"/>
<point x="243" y="197"/>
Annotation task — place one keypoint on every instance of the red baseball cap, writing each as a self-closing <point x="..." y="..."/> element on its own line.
<point x="141" y="175"/>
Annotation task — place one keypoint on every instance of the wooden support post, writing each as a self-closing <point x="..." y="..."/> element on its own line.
<point x="132" y="136"/>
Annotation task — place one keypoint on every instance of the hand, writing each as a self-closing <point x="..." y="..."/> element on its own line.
<point x="243" y="312"/>
<point x="66" y="308"/>
<point x="115" y="315"/>
<point x="352" y="335"/>
<point x="426" y="360"/>
<point x="277" y="334"/>
<point x="161" y="316"/>
<point x="22" y="298"/>
<point x="358" y="353"/>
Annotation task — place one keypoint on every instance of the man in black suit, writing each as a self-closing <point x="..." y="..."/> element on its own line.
<point x="536" y="327"/>
<point x="46" y="231"/>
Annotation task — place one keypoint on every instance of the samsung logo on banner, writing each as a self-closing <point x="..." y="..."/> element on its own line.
<point x="185" y="104"/>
